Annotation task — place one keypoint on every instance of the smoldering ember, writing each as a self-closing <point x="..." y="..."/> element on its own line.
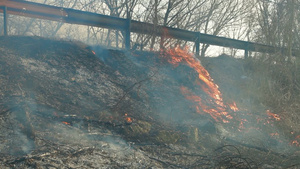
<point x="64" y="104"/>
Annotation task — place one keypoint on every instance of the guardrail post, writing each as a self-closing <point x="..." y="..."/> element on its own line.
<point x="127" y="33"/>
<point x="5" y="20"/>
<point x="197" y="44"/>
<point x="246" y="52"/>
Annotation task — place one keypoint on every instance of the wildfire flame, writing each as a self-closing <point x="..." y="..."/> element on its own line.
<point x="217" y="113"/>
<point x="179" y="55"/>
<point x="128" y="120"/>
<point x="215" y="106"/>
<point x="296" y="142"/>
<point x="233" y="107"/>
<point x="213" y="103"/>
<point x="273" y="115"/>
<point x="66" y="123"/>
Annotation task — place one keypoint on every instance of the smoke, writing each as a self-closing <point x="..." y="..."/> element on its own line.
<point x="248" y="126"/>
<point x="255" y="124"/>
<point x="23" y="144"/>
<point x="18" y="136"/>
<point x="76" y="99"/>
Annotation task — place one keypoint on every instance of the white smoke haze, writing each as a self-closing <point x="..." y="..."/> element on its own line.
<point x="75" y="106"/>
<point x="72" y="105"/>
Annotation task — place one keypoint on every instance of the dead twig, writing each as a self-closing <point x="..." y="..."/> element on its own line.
<point x="256" y="147"/>
<point x="166" y="163"/>
<point x="129" y="89"/>
<point x="83" y="151"/>
<point x="232" y="159"/>
<point x="293" y="166"/>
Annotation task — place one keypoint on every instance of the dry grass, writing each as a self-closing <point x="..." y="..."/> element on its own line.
<point x="276" y="85"/>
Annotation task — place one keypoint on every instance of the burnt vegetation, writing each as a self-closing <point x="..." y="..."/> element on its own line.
<point x="66" y="104"/>
<point x="62" y="106"/>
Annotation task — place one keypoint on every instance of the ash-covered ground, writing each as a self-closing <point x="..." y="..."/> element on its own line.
<point x="68" y="105"/>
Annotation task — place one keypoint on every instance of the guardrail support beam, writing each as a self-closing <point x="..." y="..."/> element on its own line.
<point x="197" y="44"/>
<point x="246" y="55"/>
<point x="127" y="34"/>
<point x="5" y="20"/>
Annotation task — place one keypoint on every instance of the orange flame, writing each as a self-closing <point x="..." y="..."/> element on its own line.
<point x="128" y="119"/>
<point x="178" y="55"/>
<point x="273" y="115"/>
<point x="296" y="142"/>
<point x="218" y="111"/>
<point x="66" y="123"/>
<point x="233" y="107"/>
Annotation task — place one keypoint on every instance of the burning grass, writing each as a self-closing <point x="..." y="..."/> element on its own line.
<point x="66" y="102"/>
<point x="276" y="86"/>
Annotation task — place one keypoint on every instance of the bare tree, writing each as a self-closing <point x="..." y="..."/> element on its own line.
<point x="279" y="23"/>
<point x="221" y="15"/>
<point x="206" y="16"/>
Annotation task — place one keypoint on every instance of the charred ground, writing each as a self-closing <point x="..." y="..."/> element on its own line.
<point x="63" y="106"/>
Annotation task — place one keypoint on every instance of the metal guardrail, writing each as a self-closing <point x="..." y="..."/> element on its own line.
<point x="72" y="16"/>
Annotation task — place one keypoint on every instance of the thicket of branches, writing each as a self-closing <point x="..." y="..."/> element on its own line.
<point x="269" y="22"/>
<point x="275" y="76"/>
<point x="226" y="18"/>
